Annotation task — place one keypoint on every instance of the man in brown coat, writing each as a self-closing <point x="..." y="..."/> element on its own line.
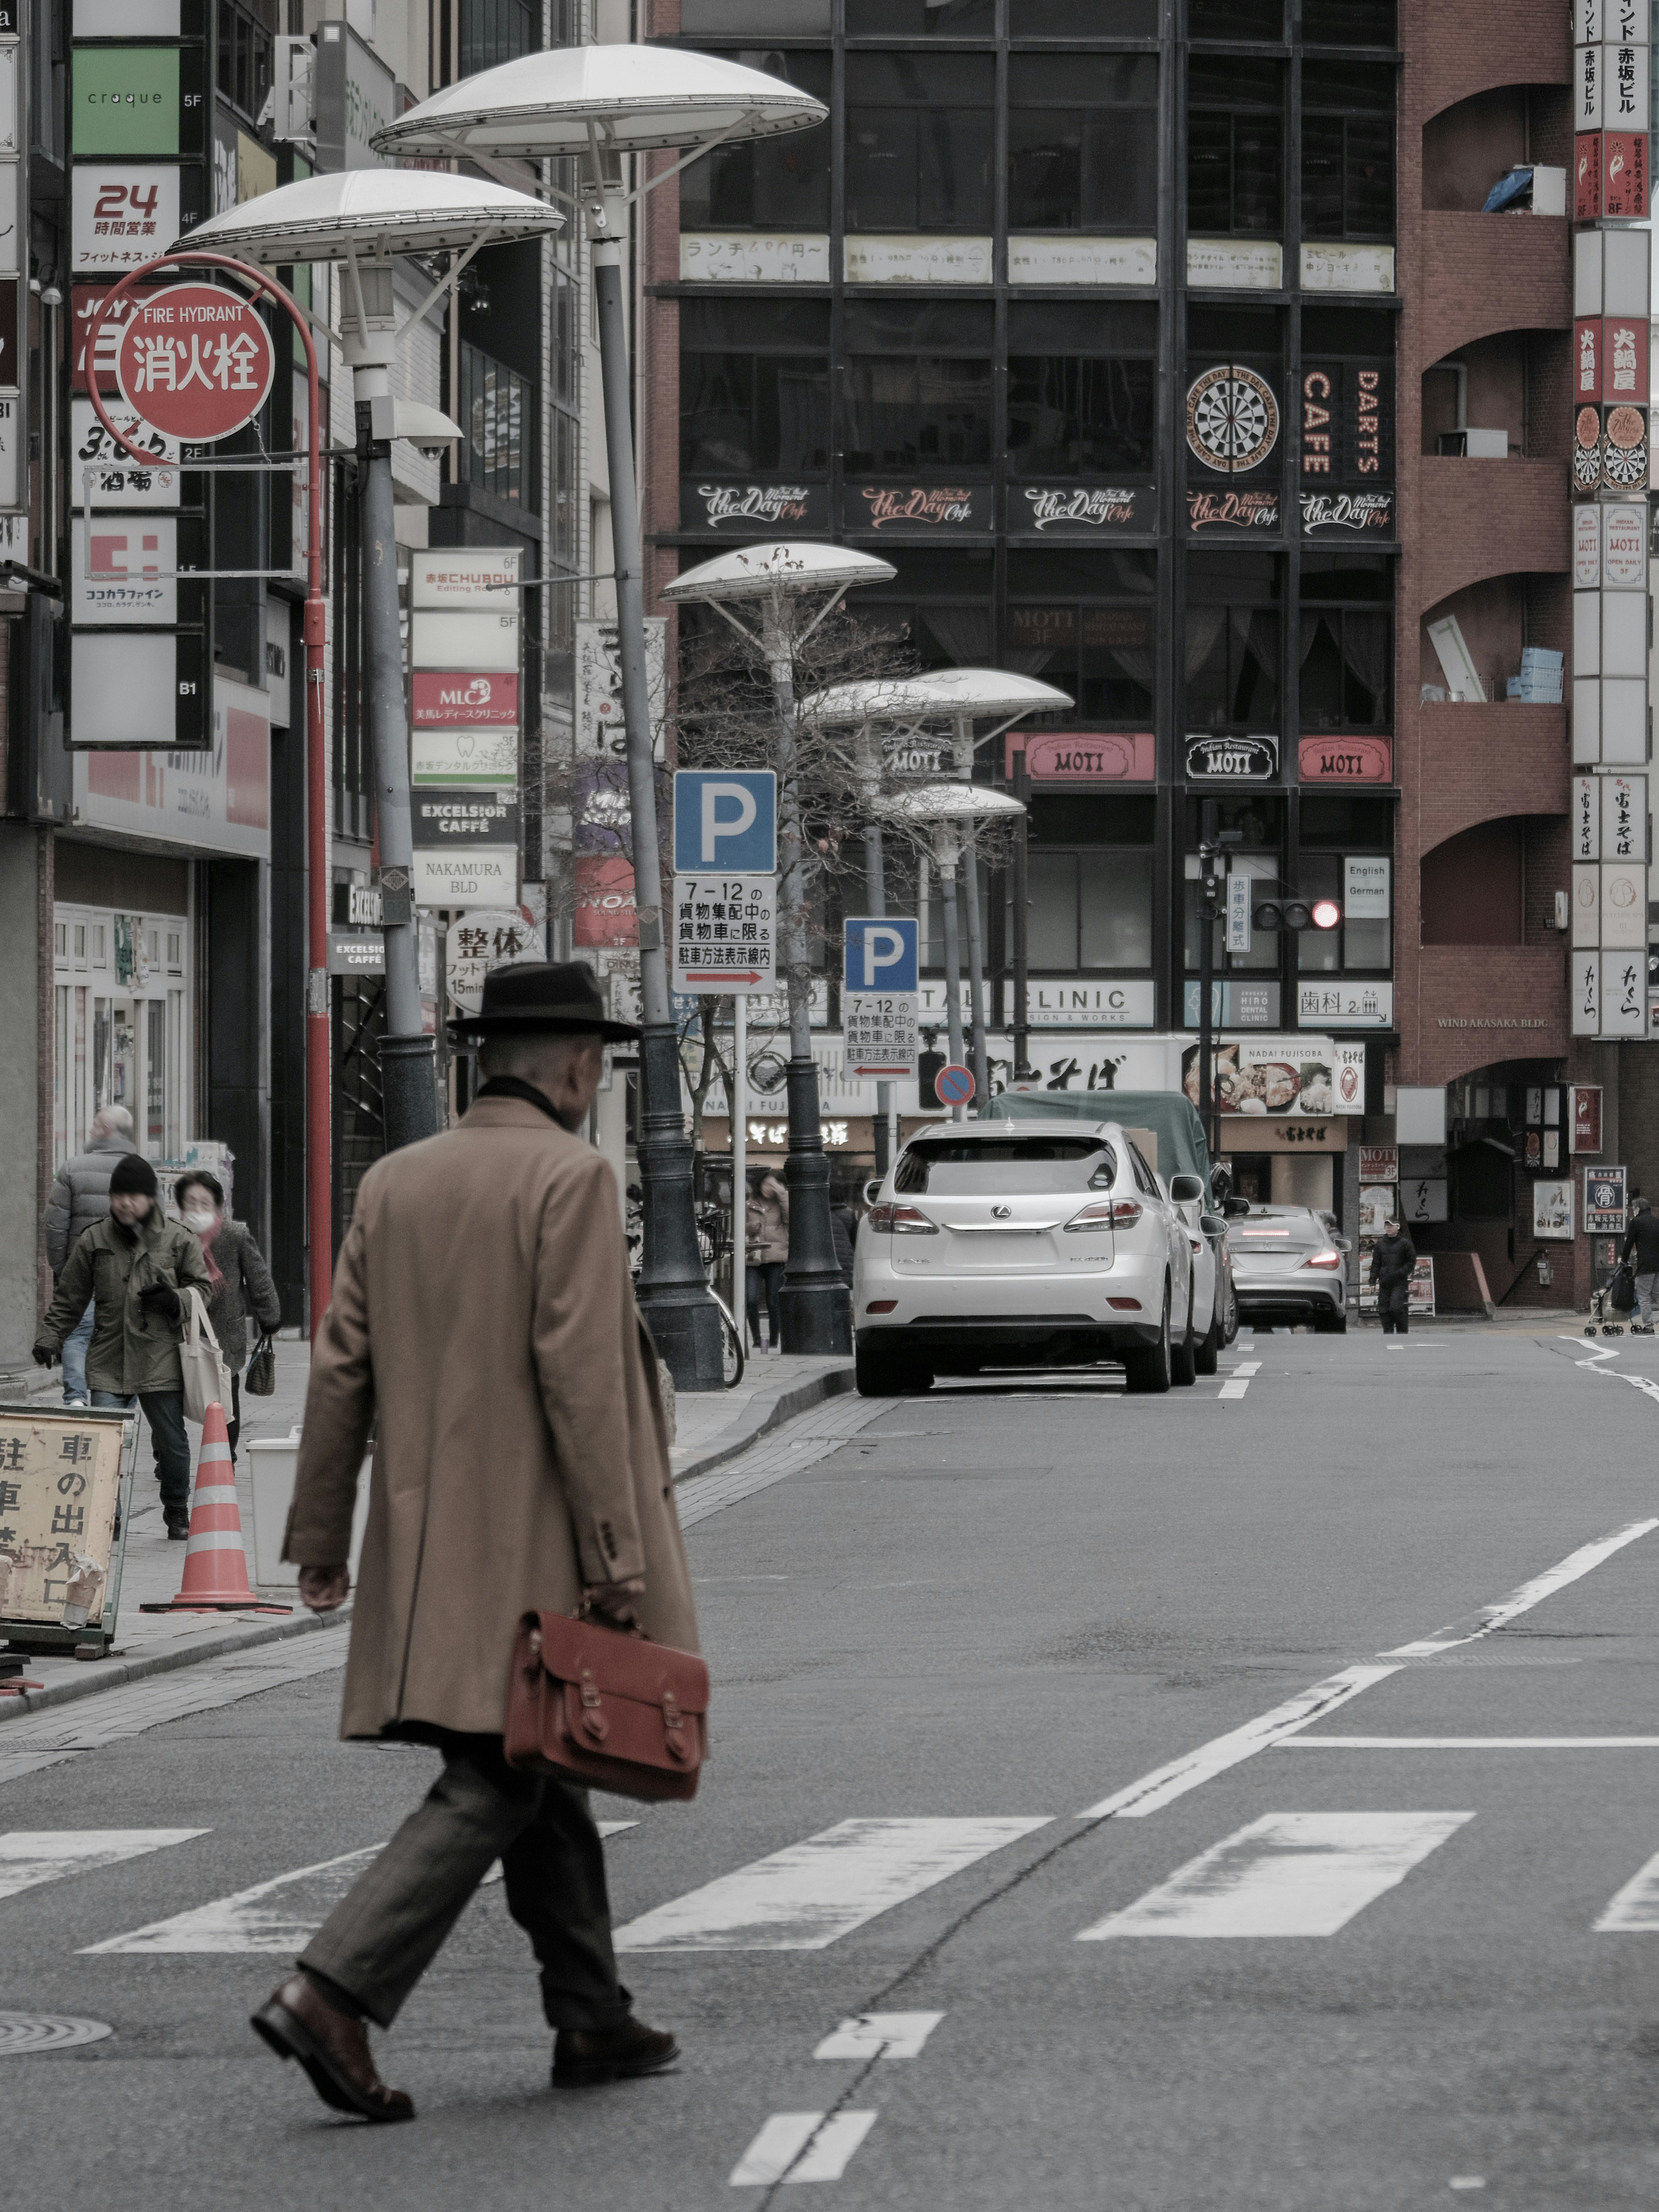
<point x="483" y="1313"/>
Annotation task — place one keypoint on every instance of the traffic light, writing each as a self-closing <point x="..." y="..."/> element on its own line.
<point x="1292" y="910"/>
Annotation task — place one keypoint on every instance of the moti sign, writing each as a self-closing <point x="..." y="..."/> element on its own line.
<point x="195" y="361"/>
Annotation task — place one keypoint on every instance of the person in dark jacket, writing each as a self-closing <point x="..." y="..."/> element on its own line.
<point x="236" y="1268"/>
<point x="1641" y="1253"/>
<point x="132" y="1266"/>
<point x="1393" y="1259"/>
<point x="843" y="1227"/>
<point x="80" y="1197"/>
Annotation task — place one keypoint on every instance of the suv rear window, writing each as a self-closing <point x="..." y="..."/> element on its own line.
<point x="957" y="1167"/>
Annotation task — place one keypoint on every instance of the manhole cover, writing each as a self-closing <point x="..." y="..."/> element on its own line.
<point x="22" y="2033"/>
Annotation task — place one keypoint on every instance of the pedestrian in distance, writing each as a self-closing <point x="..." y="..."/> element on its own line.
<point x="483" y="1317"/>
<point x="80" y="1197"/>
<point x="236" y="1268"/>
<point x="134" y="1265"/>
<point x="1641" y="1254"/>
<point x="767" y="1222"/>
<point x="843" y="1228"/>
<point x="1394" y="1257"/>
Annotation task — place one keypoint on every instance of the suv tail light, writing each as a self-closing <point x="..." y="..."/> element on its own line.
<point x="1105" y="1213"/>
<point x="900" y="1221"/>
<point x="1324" y="1260"/>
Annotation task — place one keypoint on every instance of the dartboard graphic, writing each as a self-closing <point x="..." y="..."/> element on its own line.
<point x="1625" y="455"/>
<point x="1232" y="419"/>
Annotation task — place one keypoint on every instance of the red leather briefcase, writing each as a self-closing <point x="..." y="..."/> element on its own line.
<point x="605" y="1706"/>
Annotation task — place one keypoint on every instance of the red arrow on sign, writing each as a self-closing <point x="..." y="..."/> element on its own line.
<point x="724" y="975"/>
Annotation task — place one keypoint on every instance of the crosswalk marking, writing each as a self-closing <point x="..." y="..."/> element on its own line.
<point x="278" y="1916"/>
<point x="781" y="2152"/>
<point x="808" y="1895"/>
<point x="1635" y="1907"/>
<point x="1287" y="1874"/>
<point x="29" y="1856"/>
<point x="880" y="2035"/>
<point x="1233" y="1389"/>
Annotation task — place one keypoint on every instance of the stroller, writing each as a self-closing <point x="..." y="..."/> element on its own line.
<point x="1613" y="1303"/>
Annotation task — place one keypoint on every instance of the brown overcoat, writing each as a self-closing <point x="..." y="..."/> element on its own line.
<point x="482" y="1309"/>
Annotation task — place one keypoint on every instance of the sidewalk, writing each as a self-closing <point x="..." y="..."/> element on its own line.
<point x="713" y="1426"/>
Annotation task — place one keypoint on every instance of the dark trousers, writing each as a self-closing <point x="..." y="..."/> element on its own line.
<point x="1394" y="1303"/>
<point x="234" y="1425"/>
<point x="384" y="1934"/>
<point x="165" y="1412"/>
<point x="764" y="1275"/>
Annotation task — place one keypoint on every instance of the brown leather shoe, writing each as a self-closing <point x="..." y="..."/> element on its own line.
<point x="582" y="2057"/>
<point x="298" y="2022"/>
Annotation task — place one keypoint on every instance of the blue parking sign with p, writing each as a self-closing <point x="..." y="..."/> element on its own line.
<point x="725" y="820"/>
<point x="879" y="954"/>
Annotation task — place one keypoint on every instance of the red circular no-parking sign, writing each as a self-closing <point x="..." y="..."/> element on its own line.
<point x="195" y="361"/>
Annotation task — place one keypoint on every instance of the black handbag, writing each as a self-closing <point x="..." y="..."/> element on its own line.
<point x="1621" y="1291"/>
<point x="260" y="1381"/>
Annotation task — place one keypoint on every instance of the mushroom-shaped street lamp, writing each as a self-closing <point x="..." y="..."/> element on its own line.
<point x="952" y="813"/>
<point x="594" y="104"/>
<point x="365" y="217"/>
<point x="773" y="586"/>
<point x="964" y="697"/>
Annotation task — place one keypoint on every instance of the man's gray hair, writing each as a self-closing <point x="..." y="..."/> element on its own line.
<point x="538" y="1049"/>
<point x="112" y="1121"/>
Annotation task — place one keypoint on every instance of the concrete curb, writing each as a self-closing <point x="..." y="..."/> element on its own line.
<point x="766" y="1411"/>
<point x="114" y="1674"/>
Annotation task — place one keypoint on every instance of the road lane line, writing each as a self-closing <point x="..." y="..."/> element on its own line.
<point x="801" y="2147"/>
<point x="1469" y="1743"/>
<point x="813" y="1893"/>
<point x="880" y="2035"/>
<point x="1634" y="1908"/>
<point x="1233" y="1389"/>
<point x="1246" y="1367"/>
<point x="1165" y="1784"/>
<point x="281" y="1915"/>
<point x="1287" y="1874"/>
<point x="29" y="1856"/>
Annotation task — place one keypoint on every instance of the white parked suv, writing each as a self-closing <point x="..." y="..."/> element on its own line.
<point x="1037" y="1244"/>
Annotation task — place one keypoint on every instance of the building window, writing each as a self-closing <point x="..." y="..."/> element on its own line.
<point x="920" y="134"/>
<point x="1237" y="20"/>
<point x="1085" y="623"/>
<point x="1083" y="19"/>
<point x="939" y="604"/>
<point x="1235" y="147"/>
<point x="1232" y="633"/>
<point x="771" y="183"/>
<point x="498" y="417"/>
<point x="1347" y="150"/>
<point x="245" y="57"/>
<point x="494" y="31"/>
<point x="1081" y="393"/>
<point x="918" y="386"/>
<point x="1345" y="655"/>
<point x="1363" y="946"/>
<point x="1090" y="909"/>
<point x="1082" y="142"/>
<point x="746" y="414"/>
<point x="909" y="19"/>
<point x="1348" y="22"/>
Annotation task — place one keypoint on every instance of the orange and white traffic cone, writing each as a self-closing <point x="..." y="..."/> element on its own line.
<point x="215" y="1564"/>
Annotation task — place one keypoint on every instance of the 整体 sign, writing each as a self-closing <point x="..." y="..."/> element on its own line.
<point x="880" y="994"/>
<point x="724" y="930"/>
<point x="1604" y="1202"/>
<point x="726" y="818"/>
<point x="195" y="361"/>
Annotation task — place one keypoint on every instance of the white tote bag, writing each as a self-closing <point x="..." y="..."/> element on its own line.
<point x="206" y="1375"/>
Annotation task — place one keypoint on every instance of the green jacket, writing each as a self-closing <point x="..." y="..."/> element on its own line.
<point x="130" y="1350"/>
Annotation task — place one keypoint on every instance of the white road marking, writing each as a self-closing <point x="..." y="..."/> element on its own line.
<point x="29" y="1856"/>
<point x="813" y="1893"/>
<point x="1248" y="1367"/>
<point x="1570" y="1570"/>
<point x="1165" y="1784"/>
<point x="1232" y="1389"/>
<point x="1469" y="1743"/>
<point x="281" y="1915"/>
<point x="780" y="2151"/>
<point x="1636" y="1906"/>
<point x="1287" y="1874"/>
<point x="880" y="2035"/>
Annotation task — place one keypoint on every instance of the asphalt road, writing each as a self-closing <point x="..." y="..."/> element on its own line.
<point x="991" y="1611"/>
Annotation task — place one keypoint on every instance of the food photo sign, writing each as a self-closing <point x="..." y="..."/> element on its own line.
<point x="1281" y="1076"/>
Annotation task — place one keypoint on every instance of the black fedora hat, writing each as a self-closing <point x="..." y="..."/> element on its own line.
<point x="549" y="996"/>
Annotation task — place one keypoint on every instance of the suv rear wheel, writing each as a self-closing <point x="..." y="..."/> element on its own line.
<point x="1147" y="1366"/>
<point x="1183" y="1357"/>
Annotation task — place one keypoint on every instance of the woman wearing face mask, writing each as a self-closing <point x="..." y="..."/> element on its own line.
<point x="237" y="1271"/>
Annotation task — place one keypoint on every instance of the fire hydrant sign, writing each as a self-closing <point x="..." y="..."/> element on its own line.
<point x="725" y="932"/>
<point x="195" y="361"/>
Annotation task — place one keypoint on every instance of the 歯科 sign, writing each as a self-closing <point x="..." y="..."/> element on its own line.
<point x="60" y="1558"/>
<point x="1605" y="1200"/>
<point x="724" y="930"/>
<point x="196" y="362"/>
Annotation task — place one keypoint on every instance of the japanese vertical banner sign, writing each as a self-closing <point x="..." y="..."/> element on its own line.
<point x="195" y="361"/>
<point x="60" y="1478"/>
